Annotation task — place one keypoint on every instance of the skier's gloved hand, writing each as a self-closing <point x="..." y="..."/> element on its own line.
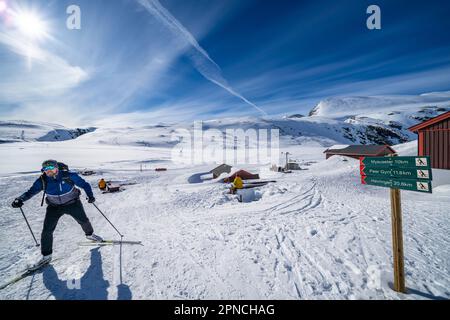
<point x="91" y="199"/>
<point x="17" y="203"/>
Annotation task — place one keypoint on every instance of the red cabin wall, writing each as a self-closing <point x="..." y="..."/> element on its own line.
<point x="434" y="141"/>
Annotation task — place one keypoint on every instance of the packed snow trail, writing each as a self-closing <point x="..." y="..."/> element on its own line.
<point x="315" y="234"/>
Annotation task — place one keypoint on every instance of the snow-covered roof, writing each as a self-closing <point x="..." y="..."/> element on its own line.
<point x="373" y="150"/>
<point x="338" y="146"/>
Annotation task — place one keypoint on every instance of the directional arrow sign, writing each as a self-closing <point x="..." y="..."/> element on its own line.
<point x="397" y="172"/>
<point x="403" y="162"/>
<point x="407" y="173"/>
<point x="405" y="184"/>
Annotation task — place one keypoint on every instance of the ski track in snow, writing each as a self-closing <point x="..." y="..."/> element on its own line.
<point x="315" y="234"/>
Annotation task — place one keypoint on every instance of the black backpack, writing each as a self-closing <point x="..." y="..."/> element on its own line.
<point x="64" y="169"/>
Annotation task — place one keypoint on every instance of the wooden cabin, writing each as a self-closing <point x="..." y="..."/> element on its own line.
<point x="223" y="168"/>
<point x="434" y="140"/>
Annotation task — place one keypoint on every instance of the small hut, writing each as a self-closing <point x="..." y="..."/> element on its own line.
<point x="293" y="166"/>
<point x="245" y="175"/>
<point x="223" y="168"/>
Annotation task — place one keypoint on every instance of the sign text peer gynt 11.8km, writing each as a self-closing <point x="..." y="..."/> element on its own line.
<point x="407" y="173"/>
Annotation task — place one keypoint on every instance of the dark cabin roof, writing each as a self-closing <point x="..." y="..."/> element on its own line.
<point x="222" y="168"/>
<point x="430" y="122"/>
<point x="369" y="150"/>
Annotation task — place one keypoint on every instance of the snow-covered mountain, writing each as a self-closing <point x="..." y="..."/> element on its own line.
<point x="342" y="120"/>
<point x="381" y="119"/>
<point x="362" y="120"/>
<point x="20" y="131"/>
<point x="338" y="107"/>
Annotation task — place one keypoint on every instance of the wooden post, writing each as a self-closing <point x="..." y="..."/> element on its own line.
<point x="397" y="241"/>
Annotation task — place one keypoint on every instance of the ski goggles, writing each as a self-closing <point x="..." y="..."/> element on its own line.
<point x="48" y="168"/>
<point x="49" y="165"/>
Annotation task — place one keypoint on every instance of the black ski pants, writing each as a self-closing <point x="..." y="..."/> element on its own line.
<point x="52" y="216"/>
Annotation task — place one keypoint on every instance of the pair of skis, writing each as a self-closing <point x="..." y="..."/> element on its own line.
<point x="30" y="270"/>
<point x="107" y="242"/>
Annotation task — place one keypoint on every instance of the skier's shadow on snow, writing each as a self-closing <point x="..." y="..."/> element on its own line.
<point x="91" y="286"/>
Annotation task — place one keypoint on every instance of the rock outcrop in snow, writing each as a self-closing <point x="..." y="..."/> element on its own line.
<point x="20" y="131"/>
<point x="381" y="119"/>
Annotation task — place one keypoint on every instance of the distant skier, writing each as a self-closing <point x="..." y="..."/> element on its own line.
<point x="58" y="183"/>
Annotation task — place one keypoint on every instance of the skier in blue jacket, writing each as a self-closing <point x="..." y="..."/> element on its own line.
<point x="62" y="197"/>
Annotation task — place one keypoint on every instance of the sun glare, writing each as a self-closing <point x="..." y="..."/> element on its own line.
<point x="30" y="25"/>
<point x="3" y="6"/>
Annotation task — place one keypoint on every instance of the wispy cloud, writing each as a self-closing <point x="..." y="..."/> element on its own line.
<point x="39" y="74"/>
<point x="141" y="61"/>
<point x="199" y="57"/>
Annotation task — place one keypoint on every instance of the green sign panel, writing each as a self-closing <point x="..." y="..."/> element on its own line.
<point x="397" y="172"/>
<point x="404" y="184"/>
<point x="403" y="162"/>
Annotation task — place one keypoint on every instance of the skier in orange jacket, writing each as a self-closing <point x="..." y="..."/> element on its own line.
<point x="102" y="184"/>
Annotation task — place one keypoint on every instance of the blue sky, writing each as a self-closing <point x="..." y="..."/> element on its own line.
<point x="144" y="61"/>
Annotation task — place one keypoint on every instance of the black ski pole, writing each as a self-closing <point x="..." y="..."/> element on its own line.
<point x="107" y="219"/>
<point x="23" y="214"/>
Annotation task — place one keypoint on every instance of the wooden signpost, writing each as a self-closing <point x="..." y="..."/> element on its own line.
<point x="407" y="173"/>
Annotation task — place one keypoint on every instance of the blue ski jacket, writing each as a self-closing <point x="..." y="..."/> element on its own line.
<point x="61" y="189"/>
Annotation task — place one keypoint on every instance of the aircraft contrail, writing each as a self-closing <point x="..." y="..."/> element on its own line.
<point x="199" y="57"/>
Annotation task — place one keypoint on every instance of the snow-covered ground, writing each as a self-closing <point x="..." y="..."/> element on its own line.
<point x="314" y="234"/>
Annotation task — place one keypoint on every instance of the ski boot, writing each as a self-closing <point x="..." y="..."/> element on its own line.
<point x="95" y="238"/>
<point x="44" y="260"/>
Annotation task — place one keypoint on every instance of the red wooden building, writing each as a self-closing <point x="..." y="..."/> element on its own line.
<point x="434" y="140"/>
<point x="245" y="175"/>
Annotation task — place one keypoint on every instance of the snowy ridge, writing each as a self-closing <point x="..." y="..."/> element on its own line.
<point x="337" y="107"/>
<point x="20" y="131"/>
<point x="381" y="119"/>
<point x="344" y="120"/>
